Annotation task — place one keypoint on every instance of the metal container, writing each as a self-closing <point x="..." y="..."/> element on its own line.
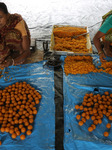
<point x="88" y="45"/>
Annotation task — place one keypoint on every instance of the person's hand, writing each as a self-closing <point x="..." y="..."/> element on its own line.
<point x="19" y="63"/>
<point x="102" y="56"/>
<point x="6" y="63"/>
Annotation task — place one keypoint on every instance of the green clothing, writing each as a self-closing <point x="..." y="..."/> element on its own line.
<point x="106" y="26"/>
<point x="106" y="15"/>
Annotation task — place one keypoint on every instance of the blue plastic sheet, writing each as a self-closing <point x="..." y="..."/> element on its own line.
<point x="42" y="79"/>
<point x="75" y="87"/>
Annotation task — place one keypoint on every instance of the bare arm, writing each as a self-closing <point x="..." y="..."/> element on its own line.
<point x="24" y="49"/>
<point x="96" y="40"/>
<point x="97" y="44"/>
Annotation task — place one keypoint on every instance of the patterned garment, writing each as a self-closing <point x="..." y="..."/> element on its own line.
<point x="10" y="37"/>
<point x="106" y="26"/>
<point x="106" y="15"/>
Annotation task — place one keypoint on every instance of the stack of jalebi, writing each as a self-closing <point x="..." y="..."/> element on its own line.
<point x="67" y="31"/>
<point x="84" y="65"/>
<point x="107" y="67"/>
<point x="64" y="41"/>
<point x="79" y="65"/>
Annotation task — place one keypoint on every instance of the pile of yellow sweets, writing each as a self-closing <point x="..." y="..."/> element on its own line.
<point x="84" y="65"/>
<point x="64" y="41"/>
<point x="94" y="107"/>
<point x="18" y="109"/>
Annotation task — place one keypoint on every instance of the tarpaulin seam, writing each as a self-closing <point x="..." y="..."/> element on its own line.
<point x="59" y="115"/>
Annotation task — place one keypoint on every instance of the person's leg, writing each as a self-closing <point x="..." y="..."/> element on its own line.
<point x="107" y="48"/>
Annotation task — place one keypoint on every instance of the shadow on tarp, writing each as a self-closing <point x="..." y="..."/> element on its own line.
<point x="43" y="135"/>
<point x="75" y="87"/>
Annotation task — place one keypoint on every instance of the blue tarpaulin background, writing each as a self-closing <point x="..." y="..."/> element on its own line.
<point x="75" y="87"/>
<point x="42" y="79"/>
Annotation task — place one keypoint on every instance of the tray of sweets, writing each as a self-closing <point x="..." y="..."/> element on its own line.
<point x="73" y="40"/>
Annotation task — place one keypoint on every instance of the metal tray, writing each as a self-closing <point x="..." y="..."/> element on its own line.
<point x="89" y="46"/>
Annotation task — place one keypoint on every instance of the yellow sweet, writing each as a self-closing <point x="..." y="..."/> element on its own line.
<point x="64" y="42"/>
<point x="84" y="65"/>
